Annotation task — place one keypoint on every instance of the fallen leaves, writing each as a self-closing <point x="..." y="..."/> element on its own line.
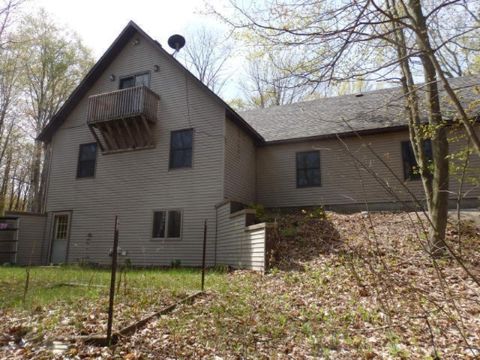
<point x="344" y="286"/>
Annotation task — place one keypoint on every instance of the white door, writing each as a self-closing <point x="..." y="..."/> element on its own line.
<point x="61" y="223"/>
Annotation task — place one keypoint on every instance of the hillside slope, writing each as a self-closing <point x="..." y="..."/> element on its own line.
<point x="342" y="286"/>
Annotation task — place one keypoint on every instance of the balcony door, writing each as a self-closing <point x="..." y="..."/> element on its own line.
<point x="135" y="80"/>
<point x="61" y="231"/>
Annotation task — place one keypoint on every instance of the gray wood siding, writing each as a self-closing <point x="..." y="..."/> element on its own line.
<point x="133" y="184"/>
<point x="238" y="245"/>
<point x="239" y="165"/>
<point x="343" y="182"/>
<point x="30" y="237"/>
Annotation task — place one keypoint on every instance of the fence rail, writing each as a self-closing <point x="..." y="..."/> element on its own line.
<point x="124" y="103"/>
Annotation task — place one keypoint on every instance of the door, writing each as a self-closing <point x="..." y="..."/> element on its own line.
<point x="61" y="227"/>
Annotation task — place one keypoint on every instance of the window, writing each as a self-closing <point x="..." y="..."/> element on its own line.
<point x="410" y="166"/>
<point x="174" y="224"/>
<point x="158" y="224"/>
<point x="308" y="169"/>
<point x="167" y="222"/>
<point x="181" y="149"/>
<point x="61" y="227"/>
<point x="135" y="80"/>
<point x="87" y="157"/>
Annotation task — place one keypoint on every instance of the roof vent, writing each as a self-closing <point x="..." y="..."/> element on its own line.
<point x="359" y="95"/>
<point x="176" y="42"/>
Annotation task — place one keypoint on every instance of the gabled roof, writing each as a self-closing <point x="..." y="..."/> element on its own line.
<point x="97" y="70"/>
<point x="370" y="112"/>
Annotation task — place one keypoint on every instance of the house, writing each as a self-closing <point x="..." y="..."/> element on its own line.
<point x="142" y="139"/>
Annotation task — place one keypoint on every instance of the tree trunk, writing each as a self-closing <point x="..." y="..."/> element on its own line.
<point x="4" y="188"/>
<point x="12" y="190"/>
<point x="439" y="205"/>
<point x="412" y="106"/>
<point x="44" y="178"/>
<point x="35" y="195"/>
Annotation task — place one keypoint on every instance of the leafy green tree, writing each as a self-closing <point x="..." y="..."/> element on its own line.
<point x="54" y="60"/>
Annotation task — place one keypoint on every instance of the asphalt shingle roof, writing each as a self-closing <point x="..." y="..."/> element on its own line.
<point x="379" y="109"/>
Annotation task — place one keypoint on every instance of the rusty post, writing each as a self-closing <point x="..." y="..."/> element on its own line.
<point x="112" y="283"/>
<point x="204" y="253"/>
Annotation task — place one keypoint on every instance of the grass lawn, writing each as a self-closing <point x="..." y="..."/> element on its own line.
<point x="344" y="287"/>
<point x="47" y="285"/>
<point x="54" y="310"/>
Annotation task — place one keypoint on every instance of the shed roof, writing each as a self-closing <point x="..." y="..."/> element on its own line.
<point x="370" y="112"/>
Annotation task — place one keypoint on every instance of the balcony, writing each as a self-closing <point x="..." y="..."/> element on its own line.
<point x="123" y="120"/>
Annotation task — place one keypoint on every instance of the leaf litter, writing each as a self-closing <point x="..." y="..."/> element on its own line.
<point x="356" y="286"/>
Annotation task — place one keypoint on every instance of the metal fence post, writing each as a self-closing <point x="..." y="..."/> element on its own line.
<point x="204" y="253"/>
<point x="112" y="283"/>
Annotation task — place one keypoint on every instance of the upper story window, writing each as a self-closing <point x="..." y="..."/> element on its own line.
<point x="308" y="169"/>
<point x="181" y="144"/>
<point x="87" y="158"/>
<point x="167" y="224"/>
<point x="135" y="80"/>
<point x="410" y="165"/>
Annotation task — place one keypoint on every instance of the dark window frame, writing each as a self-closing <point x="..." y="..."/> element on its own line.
<point x="122" y="78"/>
<point x="166" y="225"/>
<point x="410" y="162"/>
<point x="172" y="150"/>
<point x="298" y="170"/>
<point x="80" y="161"/>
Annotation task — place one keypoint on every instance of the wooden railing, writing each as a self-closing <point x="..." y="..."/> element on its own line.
<point x="123" y="104"/>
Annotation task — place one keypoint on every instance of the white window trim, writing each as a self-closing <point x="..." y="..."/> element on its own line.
<point x="166" y="224"/>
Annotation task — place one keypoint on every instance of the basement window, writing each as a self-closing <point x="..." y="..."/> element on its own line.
<point x="167" y="224"/>
<point x="181" y="144"/>
<point x="87" y="158"/>
<point x="410" y="165"/>
<point x="308" y="169"/>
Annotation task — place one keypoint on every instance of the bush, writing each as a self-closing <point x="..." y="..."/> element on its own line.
<point x="289" y="231"/>
<point x="317" y="213"/>
<point x="260" y="213"/>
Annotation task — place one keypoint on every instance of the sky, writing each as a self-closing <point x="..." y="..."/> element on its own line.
<point x="98" y="22"/>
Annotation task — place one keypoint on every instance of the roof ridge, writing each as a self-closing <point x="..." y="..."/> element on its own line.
<point x="326" y="98"/>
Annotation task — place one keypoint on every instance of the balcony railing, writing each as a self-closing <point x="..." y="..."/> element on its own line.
<point x="123" y="120"/>
<point x="123" y="104"/>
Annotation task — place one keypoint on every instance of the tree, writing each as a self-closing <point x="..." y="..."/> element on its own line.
<point x="9" y="91"/>
<point x="270" y="81"/>
<point x="54" y="60"/>
<point x="377" y="40"/>
<point x="206" y="54"/>
<point x="8" y="10"/>
<point x="458" y="46"/>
